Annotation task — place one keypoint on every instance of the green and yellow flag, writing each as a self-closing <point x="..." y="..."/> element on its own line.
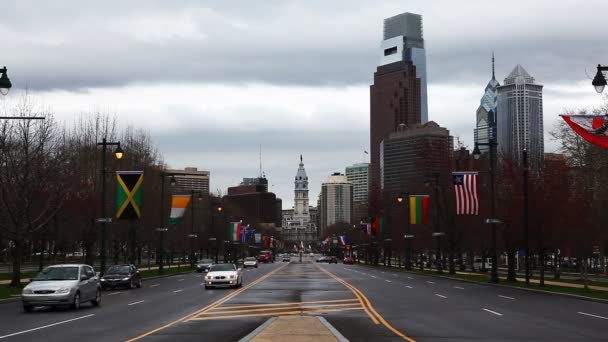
<point x="128" y="194"/>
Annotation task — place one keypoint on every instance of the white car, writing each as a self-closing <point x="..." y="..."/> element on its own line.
<point x="250" y="262"/>
<point x="223" y="275"/>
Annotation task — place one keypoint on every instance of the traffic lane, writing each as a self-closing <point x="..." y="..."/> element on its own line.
<point x="122" y="315"/>
<point x="429" y="311"/>
<point x="536" y="304"/>
<point x="294" y="290"/>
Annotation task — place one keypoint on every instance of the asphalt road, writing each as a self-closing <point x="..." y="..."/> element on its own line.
<point x="363" y="303"/>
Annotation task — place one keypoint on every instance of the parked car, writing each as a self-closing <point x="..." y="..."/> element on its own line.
<point x="348" y="261"/>
<point x="68" y="284"/>
<point x="286" y="258"/>
<point x="250" y="262"/>
<point x="203" y="265"/>
<point x="322" y="259"/>
<point x="478" y="264"/>
<point x="223" y="275"/>
<point x="121" y="276"/>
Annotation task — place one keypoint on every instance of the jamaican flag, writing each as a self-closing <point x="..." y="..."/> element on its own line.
<point x="128" y="194"/>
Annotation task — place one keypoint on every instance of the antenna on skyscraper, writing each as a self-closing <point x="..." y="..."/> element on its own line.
<point x="261" y="174"/>
<point x="493" y="66"/>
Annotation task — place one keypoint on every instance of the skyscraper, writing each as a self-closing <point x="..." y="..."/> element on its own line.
<point x="520" y="117"/>
<point x="486" y="114"/>
<point x="358" y="176"/>
<point x="336" y="200"/>
<point x="398" y="95"/>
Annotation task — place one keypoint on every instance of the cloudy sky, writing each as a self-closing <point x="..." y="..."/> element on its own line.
<point x="213" y="80"/>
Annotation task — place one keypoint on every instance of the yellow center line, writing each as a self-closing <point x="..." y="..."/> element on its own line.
<point x="282" y="313"/>
<point x="278" y="308"/>
<point x="369" y="305"/>
<point x="229" y="307"/>
<point x="210" y="306"/>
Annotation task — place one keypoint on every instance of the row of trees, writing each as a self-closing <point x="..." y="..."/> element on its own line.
<point x="50" y="184"/>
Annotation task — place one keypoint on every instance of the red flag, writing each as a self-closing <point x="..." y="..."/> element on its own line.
<point x="593" y="128"/>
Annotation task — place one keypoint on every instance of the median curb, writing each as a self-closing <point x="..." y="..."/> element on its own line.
<point x="296" y="328"/>
<point x="590" y="299"/>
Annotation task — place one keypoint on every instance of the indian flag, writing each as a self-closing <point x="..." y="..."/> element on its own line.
<point x="419" y="208"/>
<point x="235" y="231"/>
<point x="179" y="203"/>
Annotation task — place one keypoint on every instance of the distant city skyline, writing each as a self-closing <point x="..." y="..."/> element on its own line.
<point x="221" y="78"/>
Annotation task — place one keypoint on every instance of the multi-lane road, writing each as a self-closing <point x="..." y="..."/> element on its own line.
<point x="362" y="303"/>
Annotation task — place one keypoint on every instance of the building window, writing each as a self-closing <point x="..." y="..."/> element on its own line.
<point x="390" y="51"/>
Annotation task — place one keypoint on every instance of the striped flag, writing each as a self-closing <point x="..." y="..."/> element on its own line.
<point x="419" y="208"/>
<point x="179" y="203"/>
<point x="342" y="240"/>
<point x="235" y="231"/>
<point x="466" y="188"/>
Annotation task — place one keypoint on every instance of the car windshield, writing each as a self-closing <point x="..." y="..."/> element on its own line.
<point x="58" y="273"/>
<point x="249" y="259"/>
<point x="118" y="269"/>
<point x="206" y="261"/>
<point x="222" y="267"/>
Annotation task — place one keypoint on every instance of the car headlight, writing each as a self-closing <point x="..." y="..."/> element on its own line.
<point x="28" y="291"/>
<point x="63" y="290"/>
<point x="102" y="279"/>
<point x="125" y="278"/>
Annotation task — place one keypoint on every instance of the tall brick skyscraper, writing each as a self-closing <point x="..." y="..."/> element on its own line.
<point x="398" y="95"/>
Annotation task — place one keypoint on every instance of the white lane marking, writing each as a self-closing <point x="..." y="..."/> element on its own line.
<point x="442" y="296"/>
<point x="388" y="281"/>
<point x="134" y="303"/>
<point x="181" y="279"/>
<point x="113" y="293"/>
<point x="394" y="274"/>
<point x="430" y="282"/>
<point x="409" y="287"/>
<point x="46" y="326"/>
<point x="374" y="277"/>
<point x="176" y="291"/>
<point x="381" y="271"/>
<point x="458" y="287"/>
<point x="410" y="278"/>
<point x="493" y="312"/>
<point x="154" y="285"/>
<point x="501" y="296"/>
<point x="588" y="314"/>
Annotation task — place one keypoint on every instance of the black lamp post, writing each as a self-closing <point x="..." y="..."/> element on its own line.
<point x="405" y="197"/>
<point x="193" y="234"/>
<point x="599" y="81"/>
<point x="5" y="82"/>
<point x="118" y="153"/>
<point x="526" y="238"/>
<point x="476" y="154"/>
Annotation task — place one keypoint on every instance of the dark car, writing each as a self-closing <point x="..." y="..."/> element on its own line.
<point x="264" y="257"/>
<point x="348" y="261"/>
<point x="121" y="276"/>
<point x="204" y="265"/>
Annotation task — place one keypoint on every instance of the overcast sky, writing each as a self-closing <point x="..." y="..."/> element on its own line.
<point x="212" y="80"/>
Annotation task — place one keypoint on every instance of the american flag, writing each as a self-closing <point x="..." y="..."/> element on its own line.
<point x="467" y="193"/>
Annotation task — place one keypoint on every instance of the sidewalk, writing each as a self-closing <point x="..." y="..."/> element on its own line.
<point x="295" y="329"/>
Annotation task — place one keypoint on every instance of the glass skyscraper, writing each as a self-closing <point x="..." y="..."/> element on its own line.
<point x="486" y="113"/>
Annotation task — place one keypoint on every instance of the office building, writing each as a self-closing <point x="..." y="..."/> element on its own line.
<point x="192" y="180"/>
<point x="358" y="176"/>
<point x="486" y="114"/>
<point x="520" y="117"/>
<point x="336" y="201"/>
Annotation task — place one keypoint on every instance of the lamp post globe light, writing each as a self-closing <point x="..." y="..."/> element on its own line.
<point x="118" y="153"/>
<point x="5" y="82"/>
<point x="477" y="154"/>
<point x="599" y="81"/>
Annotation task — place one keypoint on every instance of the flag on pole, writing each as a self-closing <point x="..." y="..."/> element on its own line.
<point x="379" y="226"/>
<point x="419" y="209"/>
<point x="593" y="128"/>
<point x="301" y="245"/>
<point x="342" y="240"/>
<point x="369" y="229"/>
<point x="235" y="231"/>
<point x="179" y="203"/>
<point x="335" y="240"/>
<point x="467" y="193"/>
<point x="128" y="194"/>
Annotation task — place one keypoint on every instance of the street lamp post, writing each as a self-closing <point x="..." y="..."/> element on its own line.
<point x="437" y="226"/>
<point x="408" y="237"/>
<point x="599" y="81"/>
<point x="193" y="235"/>
<point x="214" y="238"/>
<point x="119" y="154"/>
<point x="476" y="154"/>
<point x="5" y="82"/>
<point x="526" y="238"/>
